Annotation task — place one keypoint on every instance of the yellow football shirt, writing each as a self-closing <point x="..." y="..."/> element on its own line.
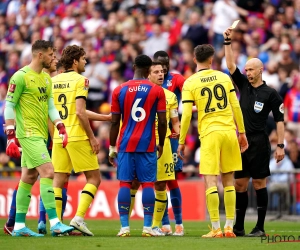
<point x="172" y="103"/>
<point x="214" y="96"/>
<point x="66" y="88"/>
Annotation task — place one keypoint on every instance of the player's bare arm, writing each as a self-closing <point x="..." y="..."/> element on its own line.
<point x="279" y="153"/>
<point x="228" y="50"/>
<point x="175" y="124"/>
<point x="82" y="116"/>
<point x="92" y="116"/>
<point x="114" y="132"/>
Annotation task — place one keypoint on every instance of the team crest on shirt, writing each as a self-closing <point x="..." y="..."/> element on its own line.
<point x="258" y="106"/>
<point x="169" y="83"/>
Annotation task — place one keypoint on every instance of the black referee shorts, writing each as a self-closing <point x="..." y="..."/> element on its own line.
<point x="256" y="158"/>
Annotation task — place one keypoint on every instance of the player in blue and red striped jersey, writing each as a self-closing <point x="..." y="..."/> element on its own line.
<point x="174" y="83"/>
<point x="137" y="102"/>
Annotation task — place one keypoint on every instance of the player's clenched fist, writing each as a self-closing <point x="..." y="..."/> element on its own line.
<point x="62" y="133"/>
<point x="12" y="148"/>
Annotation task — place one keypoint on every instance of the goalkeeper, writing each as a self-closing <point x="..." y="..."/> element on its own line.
<point x="30" y="97"/>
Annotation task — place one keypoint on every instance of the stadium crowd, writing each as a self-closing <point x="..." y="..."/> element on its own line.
<point x="113" y="33"/>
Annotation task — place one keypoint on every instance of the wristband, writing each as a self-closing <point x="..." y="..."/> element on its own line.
<point x="226" y="43"/>
<point x="227" y="39"/>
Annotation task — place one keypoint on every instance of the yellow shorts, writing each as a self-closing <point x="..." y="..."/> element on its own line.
<point x="165" y="164"/>
<point x="77" y="155"/>
<point x="220" y="152"/>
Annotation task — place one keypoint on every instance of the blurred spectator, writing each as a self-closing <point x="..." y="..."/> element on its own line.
<point x="296" y="50"/>
<point x="270" y="75"/>
<point x="280" y="182"/>
<point x="194" y="30"/>
<point x="3" y="78"/>
<point x="158" y="41"/>
<point x="3" y="89"/>
<point x="292" y="107"/>
<point x="97" y="73"/>
<point x="294" y="154"/>
<point x="286" y="61"/>
<point x="106" y="7"/>
<point x="93" y="23"/>
<point x="225" y="12"/>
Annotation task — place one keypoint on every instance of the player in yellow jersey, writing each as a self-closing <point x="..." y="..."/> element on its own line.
<point x="214" y="95"/>
<point x="70" y="90"/>
<point x="165" y="164"/>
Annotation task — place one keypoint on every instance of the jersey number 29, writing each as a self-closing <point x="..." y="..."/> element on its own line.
<point x="222" y="97"/>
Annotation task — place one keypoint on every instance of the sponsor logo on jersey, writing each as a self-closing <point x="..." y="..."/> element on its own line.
<point x="281" y="108"/>
<point x="12" y="88"/>
<point x="258" y="106"/>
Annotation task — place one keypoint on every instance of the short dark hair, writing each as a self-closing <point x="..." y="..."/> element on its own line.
<point x="59" y="65"/>
<point x="143" y="61"/>
<point x="203" y="52"/>
<point x="41" y="45"/>
<point x="160" y="53"/>
<point x="154" y="63"/>
<point x="69" y="54"/>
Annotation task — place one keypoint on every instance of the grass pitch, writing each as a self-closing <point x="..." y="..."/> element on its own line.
<point x="105" y="238"/>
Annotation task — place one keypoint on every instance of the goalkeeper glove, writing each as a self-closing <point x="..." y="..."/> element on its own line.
<point x="113" y="152"/>
<point x="62" y="133"/>
<point x="12" y="148"/>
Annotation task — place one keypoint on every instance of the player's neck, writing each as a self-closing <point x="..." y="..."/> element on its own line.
<point x="202" y="66"/>
<point x="138" y="76"/>
<point x="36" y="66"/>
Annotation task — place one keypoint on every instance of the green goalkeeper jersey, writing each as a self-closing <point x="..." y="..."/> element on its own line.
<point x="30" y="91"/>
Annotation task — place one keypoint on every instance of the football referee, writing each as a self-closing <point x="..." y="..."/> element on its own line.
<point x="256" y="100"/>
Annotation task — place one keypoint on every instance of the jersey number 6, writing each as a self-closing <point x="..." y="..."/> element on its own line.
<point x="136" y="109"/>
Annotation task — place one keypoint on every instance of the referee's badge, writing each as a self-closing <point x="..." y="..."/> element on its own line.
<point x="258" y="106"/>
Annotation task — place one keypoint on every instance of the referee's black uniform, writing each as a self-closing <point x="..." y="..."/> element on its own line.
<point x="256" y="104"/>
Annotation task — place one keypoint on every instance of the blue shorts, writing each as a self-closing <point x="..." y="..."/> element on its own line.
<point x="142" y="166"/>
<point x="177" y="160"/>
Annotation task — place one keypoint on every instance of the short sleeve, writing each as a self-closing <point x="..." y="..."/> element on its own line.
<point x="180" y="81"/>
<point x="277" y="106"/>
<point x="187" y="95"/>
<point x="115" y="105"/>
<point x="161" y="105"/>
<point x="16" y="87"/>
<point x="82" y="88"/>
<point x="174" y="102"/>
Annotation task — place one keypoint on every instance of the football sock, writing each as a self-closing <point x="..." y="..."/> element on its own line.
<point x="47" y="194"/>
<point x="240" y="208"/>
<point x="86" y="198"/>
<point x="132" y="193"/>
<point x="12" y="211"/>
<point x="124" y="198"/>
<point x="64" y="201"/>
<point x="175" y="196"/>
<point x="42" y="209"/>
<point x="159" y="207"/>
<point x="165" y="220"/>
<point x="58" y="202"/>
<point x="212" y="203"/>
<point x="229" y="202"/>
<point x="262" y="204"/>
<point x="148" y="200"/>
<point x="22" y="204"/>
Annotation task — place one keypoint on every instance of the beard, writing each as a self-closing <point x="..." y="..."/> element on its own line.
<point x="46" y="66"/>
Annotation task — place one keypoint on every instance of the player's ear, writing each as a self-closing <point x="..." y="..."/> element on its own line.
<point x="194" y="59"/>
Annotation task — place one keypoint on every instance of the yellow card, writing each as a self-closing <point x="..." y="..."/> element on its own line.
<point x="235" y="23"/>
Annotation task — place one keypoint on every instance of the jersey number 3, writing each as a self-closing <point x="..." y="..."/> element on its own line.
<point x="138" y="111"/>
<point x="62" y="98"/>
<point x="219" y="97"/>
